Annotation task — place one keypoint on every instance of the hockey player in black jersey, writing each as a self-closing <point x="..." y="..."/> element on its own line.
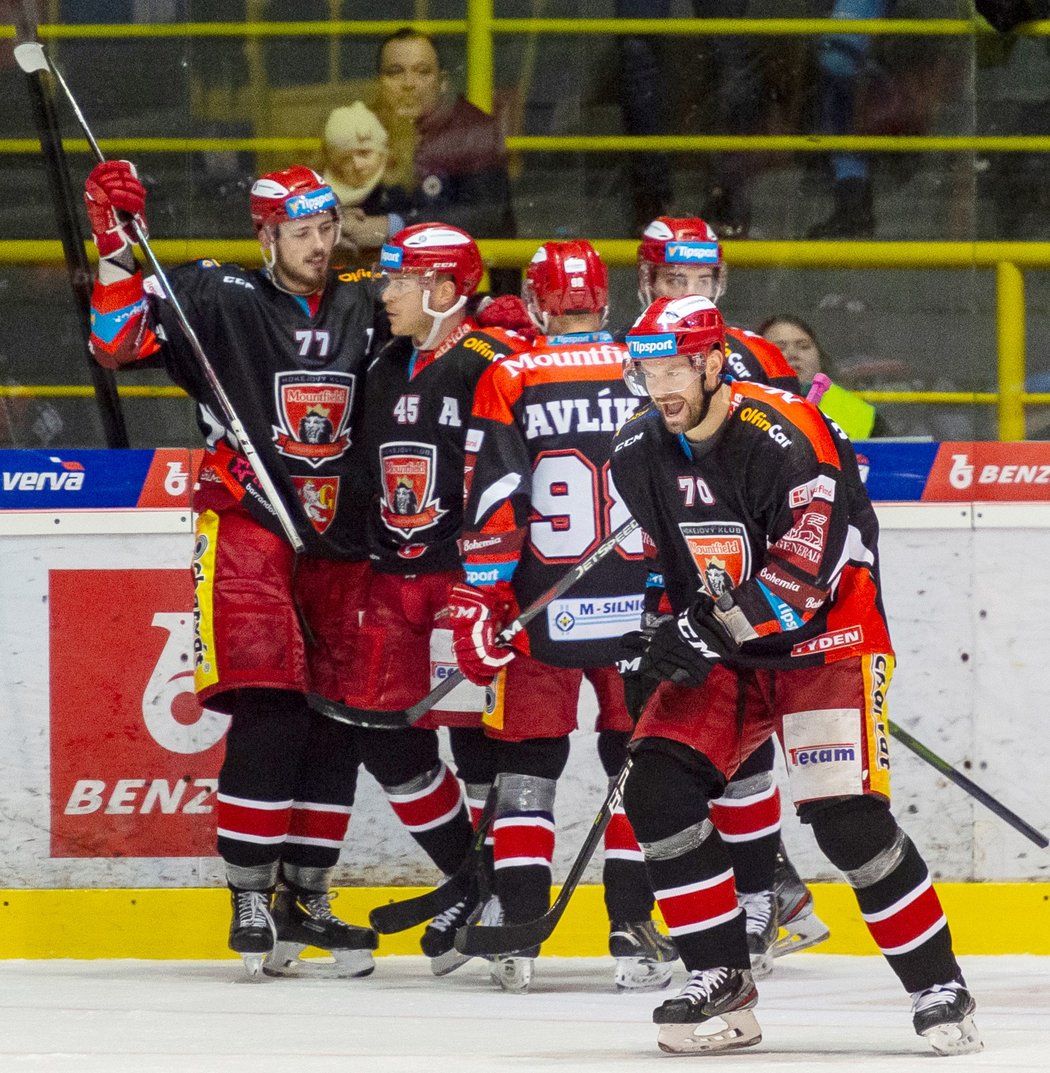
<point x="679" y="256"/>
<point x="289" y="344"/>
<point x="417" y="410"/>
<point x="755" y="516"/>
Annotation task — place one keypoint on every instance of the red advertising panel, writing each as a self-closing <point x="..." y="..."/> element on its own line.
<point x="990" y="472"/>
<point x="134" y="759"/>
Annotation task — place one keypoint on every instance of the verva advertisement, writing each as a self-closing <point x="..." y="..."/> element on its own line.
<point x="134" y="758"/>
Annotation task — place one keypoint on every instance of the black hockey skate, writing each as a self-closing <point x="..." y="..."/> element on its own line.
<point x="306" y="919"/>
<point x="440" y="934"/>
<point x="644" y="957"/>
<point x="760" y="909"/>
<point x="943" y="1014"/>
<point x="252" y="930"/>
<point x="801" y="926"/>
<point x="726" y="994"/>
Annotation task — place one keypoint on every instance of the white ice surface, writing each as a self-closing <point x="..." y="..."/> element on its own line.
<point x="817" y="1013"/>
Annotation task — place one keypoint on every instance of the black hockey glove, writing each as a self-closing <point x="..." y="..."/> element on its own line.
<point x="686" y="648"/>
<point x="637" y="687"/>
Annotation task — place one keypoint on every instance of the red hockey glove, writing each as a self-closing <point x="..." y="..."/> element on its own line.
<point x="507" y="311"/>
<point x="477" y="616"/>
<point x="112" y="194"/>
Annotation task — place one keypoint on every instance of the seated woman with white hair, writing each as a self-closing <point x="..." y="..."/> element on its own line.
<point x="354" y="152"/>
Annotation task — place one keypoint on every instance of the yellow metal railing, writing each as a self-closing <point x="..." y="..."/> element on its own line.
<point x="1007" y="259"/>
<point x="480" y="27"/>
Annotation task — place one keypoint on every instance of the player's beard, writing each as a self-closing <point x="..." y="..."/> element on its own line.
<point x="680" y="413"/>
<point x="304" y="277"/>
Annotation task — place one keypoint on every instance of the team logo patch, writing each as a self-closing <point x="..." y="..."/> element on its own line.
<point x="319" y="496"/>
<point x="314" y="410"/>
<point x="408" y="484"/>
<point x="721" y="552"/>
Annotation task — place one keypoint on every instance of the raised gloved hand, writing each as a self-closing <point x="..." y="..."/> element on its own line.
<point x="113" y="196"/>
<point x="685" y="649"/>
<point x="507" y="311"/>
<point x="477" y="615"/>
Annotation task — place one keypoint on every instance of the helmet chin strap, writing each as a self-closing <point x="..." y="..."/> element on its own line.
<point x="439" y="318"/>
<point x="706" y="395"/>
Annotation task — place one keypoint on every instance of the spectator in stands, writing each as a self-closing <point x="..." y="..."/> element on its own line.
<point x="798" y="343"/>
<point x="354" y="151"/>
<point x="738" y="102"/>
<point x="446" y="156"/>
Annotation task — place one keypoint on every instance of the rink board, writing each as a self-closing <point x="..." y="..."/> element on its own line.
<point x="985" y="918"/>
<point x="108" y="771"/>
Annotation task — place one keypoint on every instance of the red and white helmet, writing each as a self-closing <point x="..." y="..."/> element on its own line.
<point x="431" y="250"/>
<point x="291" y="194"/>
<point x="686" y="241"/>
<point x="688" y="326"/>
<point x="565" y="277"/>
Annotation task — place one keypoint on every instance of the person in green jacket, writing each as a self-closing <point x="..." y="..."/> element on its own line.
<point x="798" y="342"/>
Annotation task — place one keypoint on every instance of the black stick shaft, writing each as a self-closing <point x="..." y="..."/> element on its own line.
<point x="67" y="216"/>
<point x="967" y="784"/>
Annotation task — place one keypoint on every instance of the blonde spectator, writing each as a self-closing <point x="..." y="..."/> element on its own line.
<point x="354" y="153"/>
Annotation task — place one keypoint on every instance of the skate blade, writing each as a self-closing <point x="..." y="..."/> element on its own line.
<point x="800" y="933"/>
<point x="253" y="964"/>
<point x="286" y="963"/>
<point x="515" y="979"/>
<point x="950" y="1040"/>
<point x="448" y="962"/>
<point x="762" y="964"/>
<point x="642" y="974"/>
<point x="740" y="1030"/>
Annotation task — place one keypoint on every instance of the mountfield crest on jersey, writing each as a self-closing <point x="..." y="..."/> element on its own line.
<point x="408" y="484"/>
<point x="721" y="552"/>
<point x="319" y="496"/>
<point x="314" y="410"/>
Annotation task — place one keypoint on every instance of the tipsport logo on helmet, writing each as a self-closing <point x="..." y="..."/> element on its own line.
<point x="695" y="253"/>
<point x="651" y="346"/>
<point x="311" y="204"/>
<point x="390" y="257"/>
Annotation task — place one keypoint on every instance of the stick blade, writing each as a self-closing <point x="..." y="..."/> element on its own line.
<point x="480" y="939"/>
<point x="30" y="57"/>
<point x="358" y="717"/>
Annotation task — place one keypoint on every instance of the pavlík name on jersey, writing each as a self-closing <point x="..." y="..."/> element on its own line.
<point x="408" y="486"/>
<point x="721" y="552"/>
<point x="314" y="411"/>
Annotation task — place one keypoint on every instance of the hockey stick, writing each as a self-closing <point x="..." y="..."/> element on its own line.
<point x="66" y="214"/>
<point x="32" y="59"/>
<point x="480" y="939"/>
<point x="986" y="799"/>
<point x="400" y="916"/>
<point x="406" y="717"/>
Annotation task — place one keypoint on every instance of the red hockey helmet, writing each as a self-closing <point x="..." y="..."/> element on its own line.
<point x="565" y="277"/>
<point x="686" y="241"/>
<point x="291" y="194"/>
<point x="688" y="326"/>
<point x="434" y="249"/>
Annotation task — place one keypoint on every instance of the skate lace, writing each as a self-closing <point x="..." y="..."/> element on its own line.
<point x="319" y="906"/>
<point x="938" y="995"/>
<point x="253" y="909"/>
<point x="444" y="921"/>
<point x="702" y="983"/>
<point x="758" y="908"/>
